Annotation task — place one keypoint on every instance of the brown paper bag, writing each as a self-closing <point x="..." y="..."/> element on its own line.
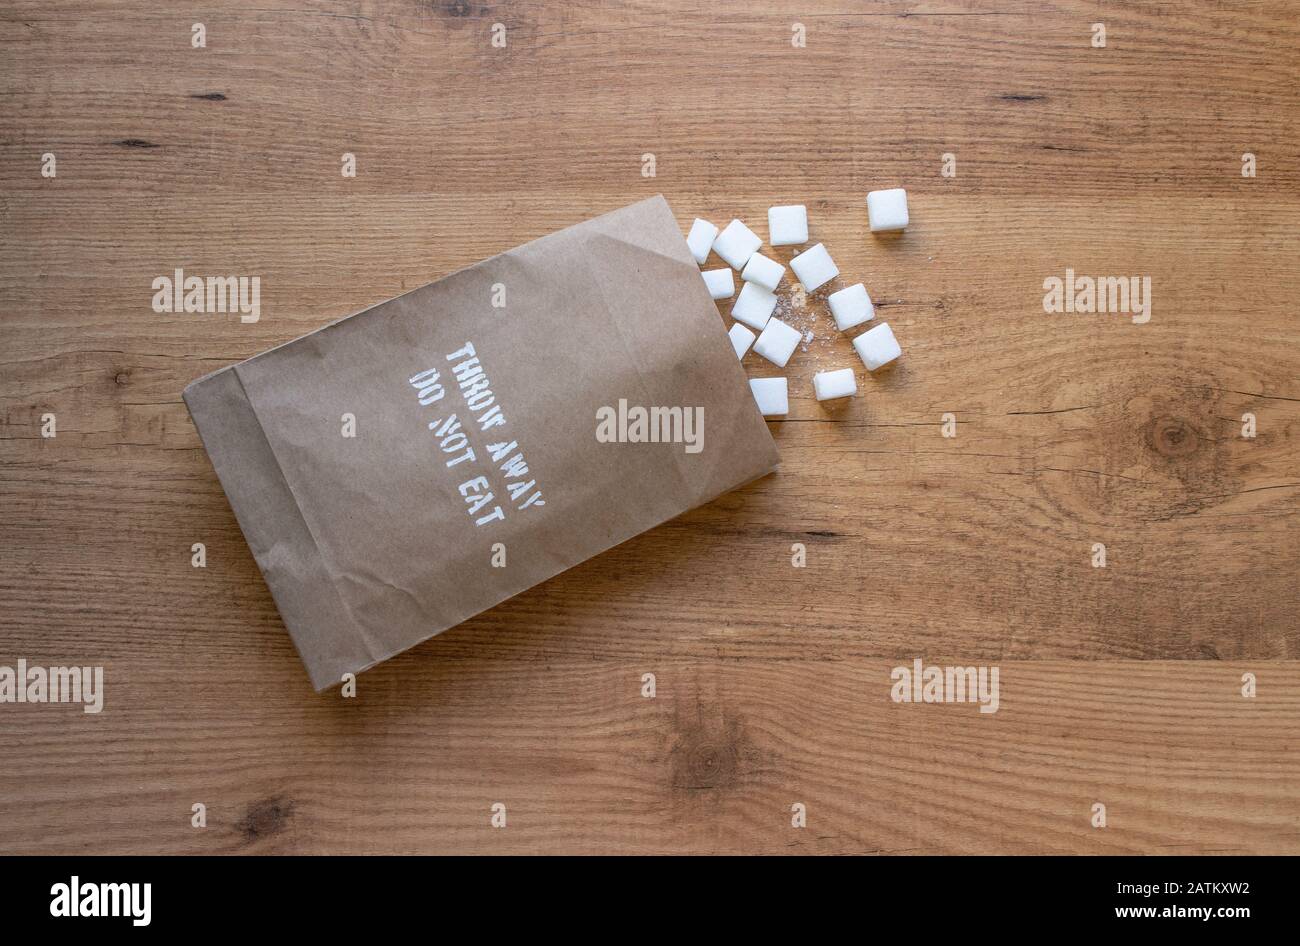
<point x="495" y="419"/>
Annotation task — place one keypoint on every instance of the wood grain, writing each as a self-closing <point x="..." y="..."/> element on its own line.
<point x="1118" y="685"/>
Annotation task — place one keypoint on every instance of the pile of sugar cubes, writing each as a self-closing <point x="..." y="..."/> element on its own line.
<point x="776" y="341"/>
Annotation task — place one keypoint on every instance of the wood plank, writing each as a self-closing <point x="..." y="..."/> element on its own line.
<point x="712" y="764"/>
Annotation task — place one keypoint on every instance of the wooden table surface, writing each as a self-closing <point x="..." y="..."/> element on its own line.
<point x="1120" y="686"/>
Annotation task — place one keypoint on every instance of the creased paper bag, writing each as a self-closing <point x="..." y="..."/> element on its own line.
<point x="504" y="422"/>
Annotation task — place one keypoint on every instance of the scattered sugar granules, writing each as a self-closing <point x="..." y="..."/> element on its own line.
<point x="793" y="309"/>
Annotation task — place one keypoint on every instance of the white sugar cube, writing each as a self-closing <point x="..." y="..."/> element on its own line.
<point x="814" y="267"/>
<point x="777" y="342"/>
<point x="720" y="283"/>
<point x="701" y="239"/>
<point x="741" y="339"/>
<point x="771" y="394"/>
<point x="787" y="226"/>
<point x="877" y="347"/>
<point x="887" y="210"/>
<point x="851" y="307"/>
<point x="753" y="306"/>
<point x="829" y="385"/>
<point x="763" y="272"/>
<point x="736" y="244"/>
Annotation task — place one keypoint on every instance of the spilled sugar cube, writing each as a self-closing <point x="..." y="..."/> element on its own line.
<point x="777" y="342"/>
<point x="877" y="347"/>
<point x="788" y="226"/>
<point x="721" y="284"/>
<point x="753" y="306"/>
<point x="851" y="307"/>
<point x="887" y="209"/>
<point x="741" y="339"/>
<point x="771" y="394"/>
<point x="701" y="239"/>
<point x="736" y="244"/>
<point x="814" y="267"/>
<point x="763" y="272"/>
<point x="828" y="385"/>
